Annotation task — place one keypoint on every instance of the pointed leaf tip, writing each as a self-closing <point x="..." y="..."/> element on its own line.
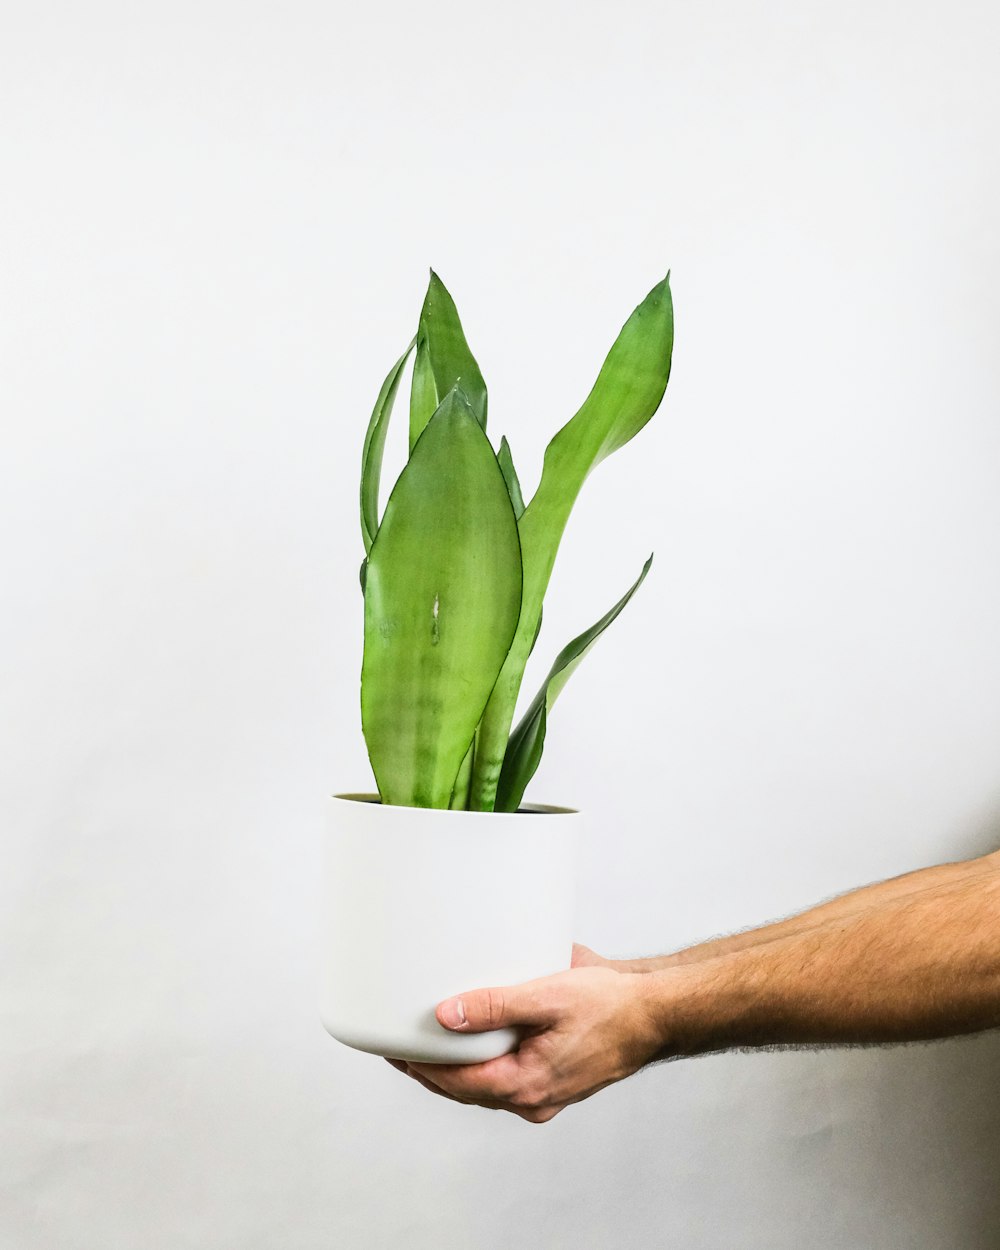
<point x="443" y="360"/>
<point x="526" y="743"/>
<point x="628" y="390"/>
<point x="506" y="463"/>
<point x="457" y="396"/>
<point x="374" y="446"/>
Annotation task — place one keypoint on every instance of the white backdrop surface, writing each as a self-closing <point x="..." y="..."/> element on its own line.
<point x="214" y="232"/>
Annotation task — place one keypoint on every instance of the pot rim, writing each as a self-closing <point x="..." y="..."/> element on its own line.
<point x="526" y="809"/>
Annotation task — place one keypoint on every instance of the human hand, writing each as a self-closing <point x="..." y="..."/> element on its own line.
<point x="584" y="1029"/>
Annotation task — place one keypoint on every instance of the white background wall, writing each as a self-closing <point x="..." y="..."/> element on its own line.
<point x="215" y="225"/>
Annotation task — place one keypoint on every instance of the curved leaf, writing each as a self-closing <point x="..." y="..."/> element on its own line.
<point x="460" y="791"/>
<point x="371" y="455"/>
<point x="443" y="361"/>
<point x="506" y="463"/>
<point x="442" y="599"/>
<point x="627" y="392"/>
<point x="524" y="749"/>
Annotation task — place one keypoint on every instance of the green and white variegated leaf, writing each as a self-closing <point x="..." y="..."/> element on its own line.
<point x="524" y="749"/>
<point x="443" y="361"/>
<point x="442" y="600"/>
<point x="627" y="392"/>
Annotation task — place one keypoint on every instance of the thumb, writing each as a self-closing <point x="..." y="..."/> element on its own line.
<point x="477" y="1011"/>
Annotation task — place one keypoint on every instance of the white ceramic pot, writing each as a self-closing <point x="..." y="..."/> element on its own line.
<point x="423" y="903"/>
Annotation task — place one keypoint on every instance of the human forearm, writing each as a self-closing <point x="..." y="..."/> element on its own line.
<point x="839" y="908"/>
<point x="913" y="966"/>
<point x="910" y="964"/>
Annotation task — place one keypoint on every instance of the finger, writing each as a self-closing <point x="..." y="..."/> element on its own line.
<point x="478" y="1011"/>
<point x="495" y="1080"/>
<point x="464" y="1083"/>
<point x="402" y="1066"/>
<point x="430" y="1085"/>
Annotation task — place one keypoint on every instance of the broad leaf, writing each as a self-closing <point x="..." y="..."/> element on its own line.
<point x="627" y="392"/>
<point x="443" y="361"/>
<point x="371" y="455"/>
<point x="442" y="599"/>
<point x="524" y="749"/>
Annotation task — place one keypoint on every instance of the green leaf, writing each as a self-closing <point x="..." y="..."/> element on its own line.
<point x="524" y="749"/>
<point x="627" y="392"/>
<point x="506" y="464"/>
<point x="460" y="792"/>
<point x="423" y="390"/>
<point x="442" y="599"/>
<point x="371" y="455"/>
<point x="443" y="361"/>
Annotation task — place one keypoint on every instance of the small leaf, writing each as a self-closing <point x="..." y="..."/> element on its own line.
<point x="538" y="630"/>
<point x="627" y="392"/>
<point x="424" y="397"/>
<point x="524" y="749"/>
<point x="443" y="361"/>
<point x="460" y="791"/>
<point x="506" y="464"/>
<point x="363" y="574"/>
<point x="371" y="456"/>
<point x="442" y="600"/>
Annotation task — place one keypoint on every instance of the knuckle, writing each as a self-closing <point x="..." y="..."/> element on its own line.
<point x="530" y="1098"/>
<point x="538" y="1115"/>
<point x="494" y="1008"/>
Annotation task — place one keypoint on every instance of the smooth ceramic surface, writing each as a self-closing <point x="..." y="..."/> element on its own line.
<point x="421" y="904"/>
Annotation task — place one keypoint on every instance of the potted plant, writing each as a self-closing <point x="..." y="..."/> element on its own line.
<point x="445" y="880"/>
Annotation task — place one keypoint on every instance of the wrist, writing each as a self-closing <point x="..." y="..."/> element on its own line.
<point x="652" y="963"/>
<point x="700" y="1008"/>
<point x="633" y="965"/>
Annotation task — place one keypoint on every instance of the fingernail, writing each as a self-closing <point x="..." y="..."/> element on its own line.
<point x="453" y="1013"/>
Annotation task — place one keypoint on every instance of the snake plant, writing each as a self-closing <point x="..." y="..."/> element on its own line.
<point x="456" y="568"/>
